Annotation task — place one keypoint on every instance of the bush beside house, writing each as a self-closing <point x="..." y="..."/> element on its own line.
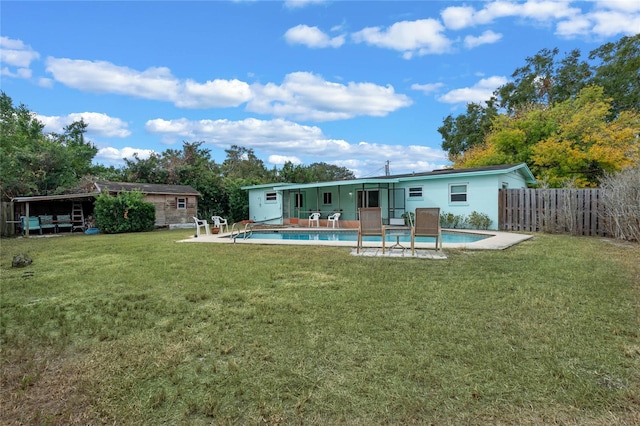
<point x="126" y="212"/>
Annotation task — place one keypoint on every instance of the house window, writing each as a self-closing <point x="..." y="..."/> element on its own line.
<point x="458" y="193"/>
<point x="415" y="192"/>
<point x="298" y="198"/>
<point x="270" y="196"/>
<point x="326" y="198"/>
<point x="181" y="203"/>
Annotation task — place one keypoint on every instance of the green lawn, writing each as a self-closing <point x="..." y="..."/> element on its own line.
<point x="139" y="329"/>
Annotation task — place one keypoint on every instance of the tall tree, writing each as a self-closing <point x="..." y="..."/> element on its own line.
<point x="242" y="163"/>
<point x="294" y="173"/>
<point x="324" y="172"/>
<point x="145" y="170"/>
<point x="35" y="163"/>
<point x="619" y="72"/>
<point x="586" y="144"/>
<point x="573" y="140"/>
<point x="467" y="130"/>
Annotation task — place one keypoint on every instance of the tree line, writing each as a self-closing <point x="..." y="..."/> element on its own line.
<point x="37" y="163"/>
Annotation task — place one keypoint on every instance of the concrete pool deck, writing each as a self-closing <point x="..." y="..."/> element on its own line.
<point x="496" y="241"/>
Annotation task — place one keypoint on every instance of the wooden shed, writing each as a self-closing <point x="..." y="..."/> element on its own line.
<point x="175" y="204"/>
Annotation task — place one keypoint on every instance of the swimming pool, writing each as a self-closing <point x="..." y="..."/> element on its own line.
<point x="352" y="236"/>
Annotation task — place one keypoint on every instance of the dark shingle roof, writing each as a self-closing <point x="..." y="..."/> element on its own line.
<point x="147" y="188"/>
<point x="450" y="171"/>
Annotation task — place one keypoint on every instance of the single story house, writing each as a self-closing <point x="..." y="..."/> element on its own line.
<point x="174" y="204"/>
<point x="456" y="191"/>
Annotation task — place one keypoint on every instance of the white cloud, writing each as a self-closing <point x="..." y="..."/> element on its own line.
<point x="606" y="18"/>
<point x="579" y="25"/>
<point x="302" y="95"/>
<point x="15" y="53"/>
<point x="543" y="10"/>
<point x="611" y="23"/>
<point x="216" y="93"/>
<point x="427" y="88"/>
<point x="307" y="96"/>
<point x="368" y="159"/>
<point x="609" y="19"/>
<point x="312" y="37"/>
<point x="478" y="93"/>
<point x="281" y="159"/>
<point x="297" y="4"/>
<point x="98" y="124"/>
<point x="283" y="141"/>
<point x="458" y="17"/>
<point x="487" y="37"/>
<point x="247" y="132"/>
<point x="419" y="37"/>
<point x="19" y="73"/>
<point x="629" y="6"/>
<point x="45" y="82"/>
<point x="155" y="83"/>
<point x="114" y="156"/>
<point x="16" y="58"/>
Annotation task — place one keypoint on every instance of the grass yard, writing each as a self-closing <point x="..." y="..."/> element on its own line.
<point x="139" y="329"/>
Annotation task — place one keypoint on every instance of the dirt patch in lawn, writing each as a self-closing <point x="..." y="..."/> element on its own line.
<point x="44" y="389"/>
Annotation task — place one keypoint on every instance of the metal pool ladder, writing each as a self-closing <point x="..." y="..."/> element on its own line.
<point x="235" y="231"/>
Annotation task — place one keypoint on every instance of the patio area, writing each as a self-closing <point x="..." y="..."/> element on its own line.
<point x="495" y="241"/>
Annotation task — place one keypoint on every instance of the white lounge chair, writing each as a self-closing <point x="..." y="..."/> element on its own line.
<point x="333" y="220"/>
<point x="201" y="223"/>
<point x="315" y="217"/>
<point x="219" y="222"/>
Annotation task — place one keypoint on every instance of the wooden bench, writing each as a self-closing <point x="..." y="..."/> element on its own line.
<point x="64" y="221"/>
<point x="46" y="222"/>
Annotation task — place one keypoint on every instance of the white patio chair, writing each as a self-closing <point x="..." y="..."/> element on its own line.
<point x="219" y="222"/>
<point x="333" y="220"/>
<point x="202" y="223"/>
<point x="315" y="217"/>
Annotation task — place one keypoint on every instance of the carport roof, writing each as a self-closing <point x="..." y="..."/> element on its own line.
<point x="147" y="188"/>
<point x="54" y="197"/>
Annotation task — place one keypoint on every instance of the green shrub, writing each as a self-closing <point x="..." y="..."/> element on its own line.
<point x="450" y="220"/>
<point x="409" y="218"/>
<point x="479" y="220"/>
<point x="126" y="212"/>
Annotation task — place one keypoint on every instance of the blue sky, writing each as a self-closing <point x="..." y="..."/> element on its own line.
<point x="351" y="83"/>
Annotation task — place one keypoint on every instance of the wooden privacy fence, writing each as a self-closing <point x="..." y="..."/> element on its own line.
<point x="7" y="226"/>
<point x="574" y="211"/>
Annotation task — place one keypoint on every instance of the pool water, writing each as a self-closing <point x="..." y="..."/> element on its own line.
<point x="447" y="237"/>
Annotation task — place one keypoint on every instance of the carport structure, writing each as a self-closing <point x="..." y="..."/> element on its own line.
<point x="78" y="206"/>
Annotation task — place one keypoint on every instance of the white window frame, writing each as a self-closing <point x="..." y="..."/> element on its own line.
<point x="457" y="194"/>
<point x="415" y="191"/>
<point x="299" y="200"/>
<point x="327" y="198"/>
<point x="270" y="197"/>
<point x="181" y="203"/>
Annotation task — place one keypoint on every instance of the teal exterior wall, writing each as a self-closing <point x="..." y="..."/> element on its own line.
<point x="262" y="209"/>
<point x="435" y="191"/>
